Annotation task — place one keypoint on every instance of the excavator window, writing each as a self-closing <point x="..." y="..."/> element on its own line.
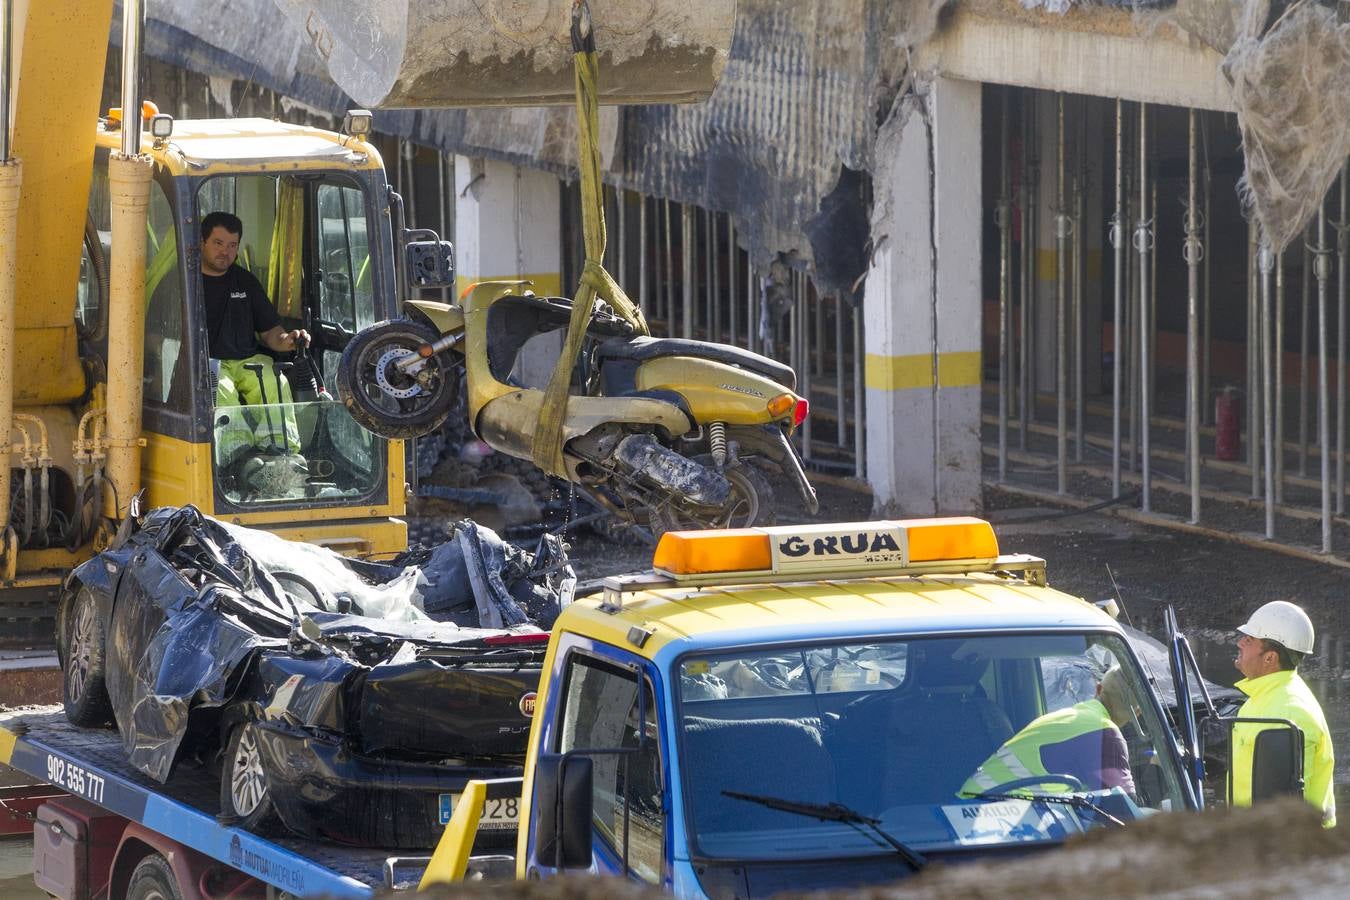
<point x="91" y="295"/>
<point x="168" y="375"/>
<point x="285" y="442"/>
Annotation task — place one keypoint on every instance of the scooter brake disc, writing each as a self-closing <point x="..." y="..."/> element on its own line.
<point x="384" y="364"/>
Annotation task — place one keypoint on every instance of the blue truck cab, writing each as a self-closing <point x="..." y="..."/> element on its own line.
<point x="826" y="706"/>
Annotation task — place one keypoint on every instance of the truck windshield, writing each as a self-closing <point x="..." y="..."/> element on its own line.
<point x="946" y="742"/>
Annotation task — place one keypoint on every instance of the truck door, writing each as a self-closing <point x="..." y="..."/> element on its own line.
<point x="598" y="709"/>
<point x="1182" y="665"/>
<point x="1277" y="759"/>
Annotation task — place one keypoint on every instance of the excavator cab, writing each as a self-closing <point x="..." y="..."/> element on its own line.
<point x="315" y="210"/>
<point x="307" y="242"/>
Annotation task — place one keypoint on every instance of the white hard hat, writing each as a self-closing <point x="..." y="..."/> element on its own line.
<point x="1282" y="622"/>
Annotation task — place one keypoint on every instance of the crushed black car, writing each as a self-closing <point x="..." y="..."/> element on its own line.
<point x="350" y="700"/>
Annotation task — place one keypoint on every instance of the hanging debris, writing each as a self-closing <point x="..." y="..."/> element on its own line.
<point x="1291" y="88"/>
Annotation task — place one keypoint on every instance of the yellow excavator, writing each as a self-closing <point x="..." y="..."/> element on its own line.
<point x="106" y="383"/>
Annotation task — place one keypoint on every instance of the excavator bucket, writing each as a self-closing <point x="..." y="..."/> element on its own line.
<point x="455" y="53"/>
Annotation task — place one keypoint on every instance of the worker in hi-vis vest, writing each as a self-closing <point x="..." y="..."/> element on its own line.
<point x="1270" y="646"/>
<point x="1082" y="741"/>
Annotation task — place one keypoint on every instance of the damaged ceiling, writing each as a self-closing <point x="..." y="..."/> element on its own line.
<point x="786" y="142"/>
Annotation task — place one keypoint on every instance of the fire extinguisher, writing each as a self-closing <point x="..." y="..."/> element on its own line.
<point x="1227" y="424"/>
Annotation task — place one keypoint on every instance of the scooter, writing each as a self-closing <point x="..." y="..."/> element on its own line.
<point x="665" y="432"/>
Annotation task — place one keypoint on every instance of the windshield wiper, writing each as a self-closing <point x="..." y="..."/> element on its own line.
<point x="1077" y="801"/>
<point x="835" y="812"/>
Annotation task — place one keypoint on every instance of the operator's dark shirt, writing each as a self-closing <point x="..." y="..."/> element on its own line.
<point x="236" y="310"/>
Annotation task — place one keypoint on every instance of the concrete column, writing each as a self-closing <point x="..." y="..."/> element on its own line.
<point x="922" y="307"/>
<point x="507" y="224"/>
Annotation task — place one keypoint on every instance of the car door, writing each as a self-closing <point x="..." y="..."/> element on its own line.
<point x="146" y="593"/>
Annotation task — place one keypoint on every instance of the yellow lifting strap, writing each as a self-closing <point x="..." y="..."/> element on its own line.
<point x="595" y="281"/>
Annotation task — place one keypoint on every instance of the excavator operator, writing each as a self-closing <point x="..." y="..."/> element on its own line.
<point x="238" y="317"/>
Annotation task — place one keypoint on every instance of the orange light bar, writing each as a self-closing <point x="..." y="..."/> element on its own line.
<point x="700" y="552"/>
<point x="820" y="551"/>
<point x="958" y="537"/>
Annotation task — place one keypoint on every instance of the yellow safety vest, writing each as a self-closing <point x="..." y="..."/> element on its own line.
<point x="1020" y="755"/>
<point x="1284" y="695"/>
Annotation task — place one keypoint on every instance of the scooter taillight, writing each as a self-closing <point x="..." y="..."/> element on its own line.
<point x="799" y="413"/>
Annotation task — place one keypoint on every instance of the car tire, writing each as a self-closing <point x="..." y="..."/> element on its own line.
<point x="83" y="691"/>
<point x="153" y="879"/>
<point x="245" y="797"/>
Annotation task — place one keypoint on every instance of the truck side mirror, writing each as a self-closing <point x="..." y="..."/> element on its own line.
<point x="1277" y="758"/>
<point x="562" y="799"/>
<point x="1277" y="764"/>
<point x="429" y="263"/>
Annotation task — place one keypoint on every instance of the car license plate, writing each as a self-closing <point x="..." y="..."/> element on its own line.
<point x="499" y="813"/>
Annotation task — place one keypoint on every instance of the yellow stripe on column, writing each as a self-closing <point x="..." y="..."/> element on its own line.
<point x="901" y="373"/>
<point x="546" y="284"/>
<point x="1047" y="264"/>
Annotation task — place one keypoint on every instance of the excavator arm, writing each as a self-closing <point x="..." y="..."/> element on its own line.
<point x="59" y="50"/>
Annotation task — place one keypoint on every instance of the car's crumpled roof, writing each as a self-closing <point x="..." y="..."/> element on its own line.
<point x="250" y="591"/>
<point x="474" y="579"/>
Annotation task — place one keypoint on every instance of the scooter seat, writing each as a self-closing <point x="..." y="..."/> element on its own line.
<point x="644" y="348"/>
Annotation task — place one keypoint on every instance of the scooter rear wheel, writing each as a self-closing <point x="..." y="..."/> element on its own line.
<point x="382" y="398"/>
<point x="751" y="503"/>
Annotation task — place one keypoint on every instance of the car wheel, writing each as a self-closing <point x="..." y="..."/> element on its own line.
<point x="153" y="879"/>
<point x="244" y="792"/>
<point x="83" y="691"/>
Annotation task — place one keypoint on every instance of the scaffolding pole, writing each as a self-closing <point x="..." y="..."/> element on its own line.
<point x="1062" y="228"/>
<point x="1143" y="240"/>
<point x="1118" y="246"/>
<point x="1004" y="249"/>
<point x="1267" y="265"/>
<point x="1079" y="410"/>
<point x="1205" y="316"/>
<point x="644" y="302"/>
<point x="1304" y="328"/>
<point x="733" y="320"/>
<point x="1193" y="251"/>
<point x="1342" y="250"/>
<point x="1322" y="268"/>
<point x="1277" y="360"/>
<point x="1253" y="355"/>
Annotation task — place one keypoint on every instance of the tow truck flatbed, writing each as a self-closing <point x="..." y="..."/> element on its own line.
<point x="90" y="763"/>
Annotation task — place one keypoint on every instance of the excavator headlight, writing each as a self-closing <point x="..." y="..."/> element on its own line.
<point x="161" y="126"/>
<point x="357" y="122"/>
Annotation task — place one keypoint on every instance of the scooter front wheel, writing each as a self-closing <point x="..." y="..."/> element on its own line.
<point x="385" y="399"/>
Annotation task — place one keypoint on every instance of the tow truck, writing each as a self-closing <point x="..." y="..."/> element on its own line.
<point x="800" y="708"/>
<point x="766" y="708"/>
